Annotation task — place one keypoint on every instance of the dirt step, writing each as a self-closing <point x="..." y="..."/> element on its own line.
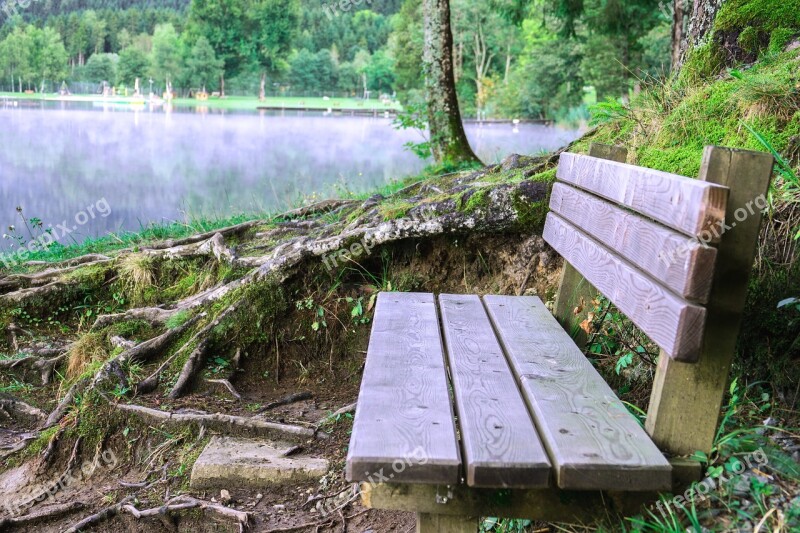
<point x="235" y="462"/>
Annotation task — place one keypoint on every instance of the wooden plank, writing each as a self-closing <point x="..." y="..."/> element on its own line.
<point x="575" y="294"/>
<point x="686" y="399"/>
<point x="593" y="441"/>
<point x="671" y="322"/>
<point x="500" y="444"/>
<point x="690" y="206"/>
<point x="680" y="263"/>
<point x="404" y="428"/>
<point x="549" y="505"/>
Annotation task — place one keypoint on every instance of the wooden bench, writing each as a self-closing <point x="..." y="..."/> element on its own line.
<point x="486" y="406"/>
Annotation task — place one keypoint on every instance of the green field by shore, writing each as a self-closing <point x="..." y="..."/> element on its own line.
<point x="230" y="102"/>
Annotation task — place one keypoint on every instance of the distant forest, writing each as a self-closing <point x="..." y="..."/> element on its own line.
<point x="513" y="58"/>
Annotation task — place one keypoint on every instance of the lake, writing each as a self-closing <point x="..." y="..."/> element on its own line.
<point x="133" y="167"/>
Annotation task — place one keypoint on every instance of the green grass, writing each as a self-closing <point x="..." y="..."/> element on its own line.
<point x="242" y="103"/>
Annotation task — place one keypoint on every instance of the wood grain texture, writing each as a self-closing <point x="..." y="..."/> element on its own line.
<point x="404" y="428"/>
<point x="575" y="294"/>
<point x="499" y="441"/>
<point x="690" y="206"/>
<point x="680" y="263"/>
<point x="592" y="439"/>
<point x="686" y="399"/>
<point x="671" y="322"/>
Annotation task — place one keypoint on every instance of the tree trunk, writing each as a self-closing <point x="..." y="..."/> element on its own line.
<point x="680" y="21"/>
<point x="448" y="140"/>
<point x="262" y="91"/>
<point x="702" y="20"/>
<point x="222" y="85"/>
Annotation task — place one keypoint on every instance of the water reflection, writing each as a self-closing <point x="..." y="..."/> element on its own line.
<point x="156" y="164"/>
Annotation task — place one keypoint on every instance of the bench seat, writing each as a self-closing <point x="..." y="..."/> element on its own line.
<point x="491" y="393"/>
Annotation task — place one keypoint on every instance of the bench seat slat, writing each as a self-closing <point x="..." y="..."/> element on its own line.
<point x="500" y="443"/>
<point x="671" y="322"/>
<point x="687" y="205"/>
<point x="682" y="264"/>
<point x="593" y="441"/>
<point x="404" y="428"/>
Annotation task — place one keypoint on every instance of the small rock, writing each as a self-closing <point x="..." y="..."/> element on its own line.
<point x="279" y="507"/>
<point x="224" y="497"/>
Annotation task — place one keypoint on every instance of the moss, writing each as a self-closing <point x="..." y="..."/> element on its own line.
<point x="779" y="38"/>
<point x="750" y="40"/>
<point x="530" y="215"/>
<point x="479" y="199"/>
<point x="702" y="63"/>
<point x="394" y="208"/>
<point x="761" y="15"/>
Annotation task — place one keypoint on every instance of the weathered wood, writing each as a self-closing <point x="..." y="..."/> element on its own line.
<point x="500" y="444"/>
<point x="550" y="505"/>
<point x="680" y="263"/>
<point x="690" y="206"/>
<point x="671" y="322"/>
<point x="404" y="428"/>
<point x="592" y="439"/>
<point x="438" y="523"/>
<point x="575" y="294"/>
<point x="686" y="399"/>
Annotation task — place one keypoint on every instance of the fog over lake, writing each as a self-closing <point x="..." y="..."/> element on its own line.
<point x="151" y="166"/>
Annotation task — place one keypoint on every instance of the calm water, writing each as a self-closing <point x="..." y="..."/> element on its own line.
<point x="58" y="159"/>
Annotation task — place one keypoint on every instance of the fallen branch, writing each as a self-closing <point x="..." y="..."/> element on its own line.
<point x="286" y="400"/>
<point x="227" y="384"/>
<point x="339" y="412"/>
<point x="221" y="422"/>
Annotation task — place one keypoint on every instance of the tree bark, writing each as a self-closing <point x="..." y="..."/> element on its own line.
<point x="702" y="20"/>
<point x="680" y="19"/>
<point x="262" y="91"/>
<point x="222" y="85"/>
<point x="448" y="141"/>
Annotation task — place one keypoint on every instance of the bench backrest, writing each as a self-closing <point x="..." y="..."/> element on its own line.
<point x="658" y="247"/>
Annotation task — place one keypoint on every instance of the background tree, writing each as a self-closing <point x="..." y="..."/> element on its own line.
<point x="133" y="63"/>
<point x="223" y="23"/>
<point x="100" y="68"/>
<point x="202" y="65"/>
<point x="165" y="59"/>
<point x="271" y="26"/>
<point x="449" y="143"/>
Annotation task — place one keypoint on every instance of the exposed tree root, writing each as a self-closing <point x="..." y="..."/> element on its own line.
<point x="324" y="206"/>
<point x="63" y="406"/>
<point x="155" y="316"/>
<point x="19" y="409"/>
<point x="45" y="514"/>
<point x="218" y="421"/>
<point x="182" y="503"/>
<point x="45" y="367"/>
<point x="107" y="513"/>
<point x="197" y="358"/>
<point x="230" y="230"/>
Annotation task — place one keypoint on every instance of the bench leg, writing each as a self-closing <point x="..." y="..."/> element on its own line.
<point x="439" y="523"/>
